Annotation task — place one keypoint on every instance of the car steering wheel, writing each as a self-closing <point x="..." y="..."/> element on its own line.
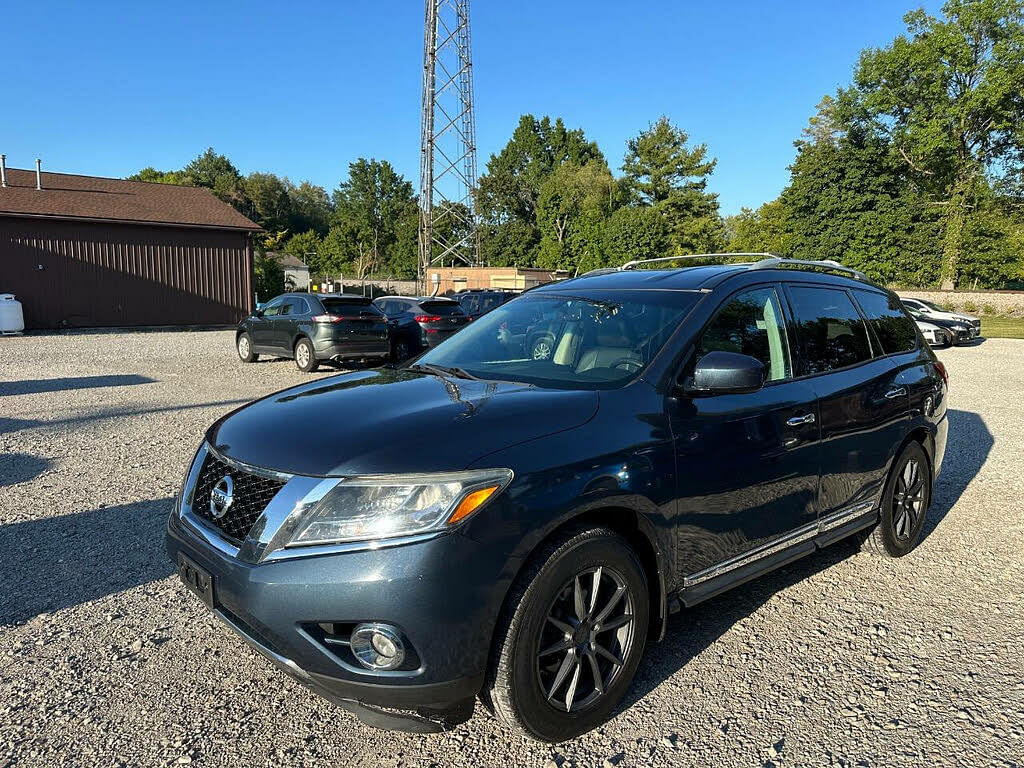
<point x="627" y="363"/>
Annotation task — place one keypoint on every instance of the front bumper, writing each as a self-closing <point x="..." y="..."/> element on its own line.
<point x="443" y="594"/>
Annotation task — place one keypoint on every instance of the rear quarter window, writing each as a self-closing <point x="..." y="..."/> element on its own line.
<point x="895" y="331"/>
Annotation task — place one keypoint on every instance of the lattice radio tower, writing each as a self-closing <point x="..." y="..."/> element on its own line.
<point x="448" y="229"/>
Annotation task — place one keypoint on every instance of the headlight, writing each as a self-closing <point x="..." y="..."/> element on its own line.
<point x="385" y="506"/>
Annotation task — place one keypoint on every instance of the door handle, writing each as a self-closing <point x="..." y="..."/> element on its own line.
<point x="896" y="392"/>
<point x="796" y="421"/>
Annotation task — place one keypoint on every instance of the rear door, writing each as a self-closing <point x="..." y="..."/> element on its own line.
<point x="293" y="311"/>
<point x="747" y="463"/>
<point x="862" y="404"/>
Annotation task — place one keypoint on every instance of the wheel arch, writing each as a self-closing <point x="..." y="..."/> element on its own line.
<point x="638" y="533"/>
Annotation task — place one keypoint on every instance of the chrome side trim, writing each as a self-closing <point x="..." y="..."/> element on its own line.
<point x="803" y="533"/>
<point x="797" y="536"/>
<point x="843" y="516"/>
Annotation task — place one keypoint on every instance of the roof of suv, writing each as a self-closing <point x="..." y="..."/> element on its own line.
<point x="699" y="278"/>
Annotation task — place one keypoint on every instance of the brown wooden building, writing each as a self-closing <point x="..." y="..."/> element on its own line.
<point x="83" y="251"/>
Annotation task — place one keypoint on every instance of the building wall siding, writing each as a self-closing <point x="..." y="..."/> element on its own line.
<point x="70" y="274"/>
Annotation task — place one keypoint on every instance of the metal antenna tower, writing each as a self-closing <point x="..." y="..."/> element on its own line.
<point x="448" y="231"/>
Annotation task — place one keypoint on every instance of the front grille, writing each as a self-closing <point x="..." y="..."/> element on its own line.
<point x="251" y="495"/>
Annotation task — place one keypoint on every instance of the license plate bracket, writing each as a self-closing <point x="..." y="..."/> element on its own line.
<point x="196" y="578"/>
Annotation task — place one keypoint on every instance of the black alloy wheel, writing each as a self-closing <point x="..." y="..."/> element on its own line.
<point x="570" y="637"/>
<point x="904" y="505"/>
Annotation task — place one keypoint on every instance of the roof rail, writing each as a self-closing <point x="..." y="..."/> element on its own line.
<point x="773" y="262"/>
<point x="631" y="264"/>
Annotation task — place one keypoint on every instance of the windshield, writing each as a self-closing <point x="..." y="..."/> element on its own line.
<point x="936" y="307"/>
<point x="441" y="308"/>
<point x="564" y="341"/>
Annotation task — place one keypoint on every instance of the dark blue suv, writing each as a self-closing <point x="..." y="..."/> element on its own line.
<point x="488" y="523"/>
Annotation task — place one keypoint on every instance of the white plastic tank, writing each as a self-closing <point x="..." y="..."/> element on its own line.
<point x="12" y="320"/>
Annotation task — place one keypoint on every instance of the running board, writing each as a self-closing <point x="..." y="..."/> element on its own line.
<point x="723" y="576"/>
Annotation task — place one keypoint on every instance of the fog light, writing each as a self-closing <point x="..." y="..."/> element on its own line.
<point x="377" y="646"/>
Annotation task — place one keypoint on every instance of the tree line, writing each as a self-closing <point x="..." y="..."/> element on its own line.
<point x="913" y="173"/>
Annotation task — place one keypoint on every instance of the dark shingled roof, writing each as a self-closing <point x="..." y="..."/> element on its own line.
<point x="67" y="196"/>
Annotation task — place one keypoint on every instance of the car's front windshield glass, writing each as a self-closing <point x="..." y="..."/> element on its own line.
<point x="936" y="307"/>
<point x="566" y="341"/>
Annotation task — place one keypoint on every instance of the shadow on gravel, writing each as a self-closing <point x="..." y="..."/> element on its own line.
<point x="967" y="449"/>
<point x="20" y="468"/>
<point x="37" y="386"/>
<point x="693" y="630"/>
<point x="58" y="562"/>
<point x="17" y="425"/>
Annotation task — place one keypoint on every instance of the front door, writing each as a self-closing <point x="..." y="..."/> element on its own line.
<point x="261" y="327"/>
<point x="748" y="463"/>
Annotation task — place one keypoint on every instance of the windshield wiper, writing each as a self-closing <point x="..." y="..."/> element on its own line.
<point x="450" y="370"/>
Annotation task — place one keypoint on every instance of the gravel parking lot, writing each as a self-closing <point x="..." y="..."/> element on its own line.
<point x="843" y="659"/>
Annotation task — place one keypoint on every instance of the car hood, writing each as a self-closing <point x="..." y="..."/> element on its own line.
<point x="386" y="421"/>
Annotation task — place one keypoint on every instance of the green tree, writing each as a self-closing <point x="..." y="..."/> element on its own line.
<point x="269" y="276"/>
<point x="572" y="207"/>
<point x="216" y="172"/>
<point x="633" y="233"/>
<point x="765" y="230"/>
<point x="154" y="176"/>
<point x="368" y="230"/>
<point x="311" y="208"/>
<point x="949" y="98"/>
<point x="663" y="172"/>
<point x="269" y="201"/>
<point x="508" y="193"/>
<point x="305" y="247"/>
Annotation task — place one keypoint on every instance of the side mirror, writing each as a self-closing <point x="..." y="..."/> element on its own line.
<point x="257" y="313"/>
<point x="725" y="373"/>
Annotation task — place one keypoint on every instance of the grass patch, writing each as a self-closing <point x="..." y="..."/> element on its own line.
<point x="1002" y="327"/>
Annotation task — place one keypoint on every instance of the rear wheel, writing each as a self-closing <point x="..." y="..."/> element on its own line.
<point x="908" y="492"/>
<point x="305" y="356"/>
<point x="571" y="636"/>
<point x="244" y="346"/>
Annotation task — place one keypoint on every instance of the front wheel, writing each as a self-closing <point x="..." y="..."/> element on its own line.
<point x="243" y="344"/>
<point x="571" y="637"/>
<point x="305" y="356"/>
<point x="908" y="492"/>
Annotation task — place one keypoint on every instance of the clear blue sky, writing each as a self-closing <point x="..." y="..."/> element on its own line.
<point x="302" y="89"/>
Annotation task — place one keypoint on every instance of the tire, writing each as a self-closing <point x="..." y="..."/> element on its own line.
<point x="529" y="690"/>
<point x="305" y="356"/>
<point x="244" y="342"/>
<point x="400" y="351"/>
<point x="903" y="515"/>
<point x="542" y="348"/>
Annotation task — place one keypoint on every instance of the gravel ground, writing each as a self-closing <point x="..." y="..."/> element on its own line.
<point x="841" y="659"/>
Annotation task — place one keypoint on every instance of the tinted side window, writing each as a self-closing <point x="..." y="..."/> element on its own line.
<point x="895" y="331"/>
<point x="830" y="330"/>
<point x="751" y="324"/>
<point x="272" y="308"/>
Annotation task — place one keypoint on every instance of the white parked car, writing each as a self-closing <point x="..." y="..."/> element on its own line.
<point x="929" y="311"/>
<point x="933" y="334"/>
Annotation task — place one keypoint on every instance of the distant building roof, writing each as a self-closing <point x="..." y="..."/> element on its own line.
<point x="286" y="260"/>
<point x="67" y="196"/>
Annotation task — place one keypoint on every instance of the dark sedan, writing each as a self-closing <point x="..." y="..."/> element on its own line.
<point x="314" y="328"/>
<point x="421" y="322"/>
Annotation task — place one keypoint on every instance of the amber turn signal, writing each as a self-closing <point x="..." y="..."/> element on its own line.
<point x="471" y="504"/>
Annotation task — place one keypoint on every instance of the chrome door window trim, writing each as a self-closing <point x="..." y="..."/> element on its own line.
<point x="797" y="536"/>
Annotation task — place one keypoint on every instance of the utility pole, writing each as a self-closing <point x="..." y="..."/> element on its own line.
<point x="448" y="220"/>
